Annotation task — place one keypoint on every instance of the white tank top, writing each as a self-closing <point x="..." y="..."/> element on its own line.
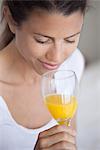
<point x="16" y="137"/>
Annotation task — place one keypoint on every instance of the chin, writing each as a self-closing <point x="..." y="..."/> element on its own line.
<point x="42" y="72"/>
<point x="39" y="71"/>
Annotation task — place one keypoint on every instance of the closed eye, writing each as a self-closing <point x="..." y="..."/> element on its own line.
<point x="41" y="41"/>
<point x="70" y="41"/>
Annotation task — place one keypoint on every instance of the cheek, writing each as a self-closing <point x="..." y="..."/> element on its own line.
<point x="36" y="50"/>
<point x="26" y="46"/>
<point x="74" y="46"/>
<point x="69" y="50"/>
<point x="77" y="41"/>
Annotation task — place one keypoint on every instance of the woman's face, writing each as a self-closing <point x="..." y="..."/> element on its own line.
<point x="45" y="40"/>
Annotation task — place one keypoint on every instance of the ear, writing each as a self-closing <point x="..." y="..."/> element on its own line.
<point x="9" y="20"/>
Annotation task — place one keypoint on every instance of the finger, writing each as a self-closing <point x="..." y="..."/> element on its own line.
<point x="57" y="129"/>
<point x="62" y="136"/>
<point x="61" y="146"/>
<point x="56" y="138"/>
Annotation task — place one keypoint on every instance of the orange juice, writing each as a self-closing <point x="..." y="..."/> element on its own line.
<point x="60" y="108"/>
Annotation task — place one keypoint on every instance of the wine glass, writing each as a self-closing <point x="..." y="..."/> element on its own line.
<point x="59" y="90"/>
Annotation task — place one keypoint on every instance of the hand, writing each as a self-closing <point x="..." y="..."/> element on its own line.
<point x="58" y="137"/>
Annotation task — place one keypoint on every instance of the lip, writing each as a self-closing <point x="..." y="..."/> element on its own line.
<point x="49" y="66"/>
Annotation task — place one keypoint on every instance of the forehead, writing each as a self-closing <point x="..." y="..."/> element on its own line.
<point x="54" y="24"/>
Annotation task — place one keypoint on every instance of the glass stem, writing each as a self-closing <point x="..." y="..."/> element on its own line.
<point x="66" y="122"/>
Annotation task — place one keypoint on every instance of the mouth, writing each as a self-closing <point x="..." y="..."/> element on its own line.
<point x="49" y="66"/>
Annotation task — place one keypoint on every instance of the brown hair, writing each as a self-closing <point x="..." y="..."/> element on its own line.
<point x="21" y="9"/>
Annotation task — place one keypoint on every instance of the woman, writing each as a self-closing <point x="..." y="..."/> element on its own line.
<point x="39" y="36"/>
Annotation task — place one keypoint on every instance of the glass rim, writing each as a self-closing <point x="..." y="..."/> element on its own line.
<point x="64" y="70"/>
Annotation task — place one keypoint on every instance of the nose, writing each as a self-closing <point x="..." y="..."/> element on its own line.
<point x="55" y="53"/>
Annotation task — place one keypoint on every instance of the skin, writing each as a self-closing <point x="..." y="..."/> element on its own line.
<point x="57" y="138"/>
<point x="43" y="37"/>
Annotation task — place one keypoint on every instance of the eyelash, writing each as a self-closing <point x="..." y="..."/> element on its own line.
<point x="41" y="42"/>
<point x="71" y="42"/>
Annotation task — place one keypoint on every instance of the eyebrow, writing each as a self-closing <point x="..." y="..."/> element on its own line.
<point x="53" y="37"/>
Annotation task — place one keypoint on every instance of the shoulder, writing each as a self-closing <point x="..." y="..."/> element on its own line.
<point x="75" y="62"/>
<point x="77" y="57"/>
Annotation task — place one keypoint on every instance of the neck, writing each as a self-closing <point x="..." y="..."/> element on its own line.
<point x="23" y="69"/>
